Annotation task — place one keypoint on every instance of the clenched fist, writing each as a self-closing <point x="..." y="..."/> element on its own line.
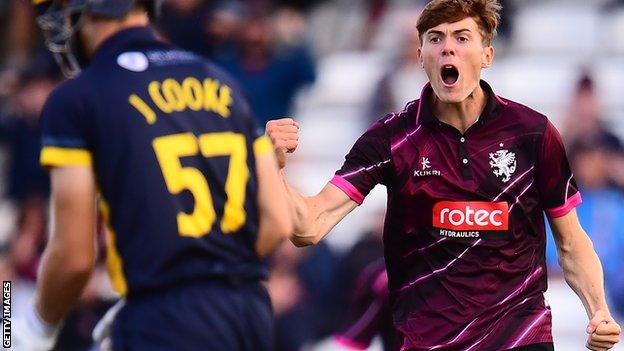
<point x="603" y="332"/>
<point x="284" y="134"/>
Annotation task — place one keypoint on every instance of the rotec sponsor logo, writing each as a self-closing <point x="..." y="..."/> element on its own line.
<point x="471" y="215"/>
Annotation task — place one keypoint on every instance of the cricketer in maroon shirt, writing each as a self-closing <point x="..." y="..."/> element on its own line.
<point x="464" y="232"/>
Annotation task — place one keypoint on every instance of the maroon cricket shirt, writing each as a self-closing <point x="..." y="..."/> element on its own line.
<point x="464" y="232"/>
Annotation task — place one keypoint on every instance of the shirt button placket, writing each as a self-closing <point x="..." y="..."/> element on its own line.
<point x="463" y="154"/>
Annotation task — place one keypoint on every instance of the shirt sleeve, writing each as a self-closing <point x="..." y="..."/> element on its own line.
<point x="64" y="131"/>
<point x="558" y="190"/>
<point x="367" y="164"/>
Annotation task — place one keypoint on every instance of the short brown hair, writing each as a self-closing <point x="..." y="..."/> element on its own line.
<point x="485" y="12"/>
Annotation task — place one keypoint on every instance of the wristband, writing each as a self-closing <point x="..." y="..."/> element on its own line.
<point x="38" y="325"/>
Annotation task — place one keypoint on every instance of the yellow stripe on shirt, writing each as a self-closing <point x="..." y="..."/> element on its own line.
<point x="262" y="146"/>
<point x="60" y="156"/>
<point x="114" y="262"/>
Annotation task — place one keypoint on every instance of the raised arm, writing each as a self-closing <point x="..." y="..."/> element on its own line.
<point x="313" y="216"/>
<point x="583" y="272"/>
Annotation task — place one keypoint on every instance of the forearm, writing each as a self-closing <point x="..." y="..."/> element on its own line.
<point x="300" y="214"/>
<point x="583" y="272"/>
<point x="315" y="216"/>
<point x="60" y="283"/>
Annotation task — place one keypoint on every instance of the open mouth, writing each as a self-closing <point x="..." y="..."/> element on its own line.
<point x="450" y="74"/>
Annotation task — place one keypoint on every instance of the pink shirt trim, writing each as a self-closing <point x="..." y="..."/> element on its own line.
<point x="564" y="209"/>
<point x="500" y="100"/>
<point x="348" y="189"/>
<point x="348" y="343"/>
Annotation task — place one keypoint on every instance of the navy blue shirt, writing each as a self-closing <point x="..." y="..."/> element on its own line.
<point x="172" y="143"/>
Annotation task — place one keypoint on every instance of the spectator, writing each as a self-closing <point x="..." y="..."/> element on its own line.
<point x="290" y="27"/>
<point x="266" y="57"/>
<point x="271" y="78"/>
<point x="304" y="289"/>
<point x="18" y="31"/>
<point x="584" y="120"/>
<point x="585" y="124"/>
<point x="28" y="185"/>
<point x="20" y="129"/>
<point x="20" y="40"/>
<point x="183" y="21"/>
<point x="222" y="30"/>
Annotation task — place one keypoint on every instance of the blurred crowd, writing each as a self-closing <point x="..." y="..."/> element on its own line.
<point x="274" y="48"/>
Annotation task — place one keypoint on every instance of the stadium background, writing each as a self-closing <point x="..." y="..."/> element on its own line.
<point x="336" y="66"/>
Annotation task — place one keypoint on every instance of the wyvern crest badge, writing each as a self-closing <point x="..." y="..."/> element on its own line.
<point x="503" y="163"/>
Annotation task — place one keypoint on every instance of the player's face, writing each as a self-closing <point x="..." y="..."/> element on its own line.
<point x="453" y="55"/>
